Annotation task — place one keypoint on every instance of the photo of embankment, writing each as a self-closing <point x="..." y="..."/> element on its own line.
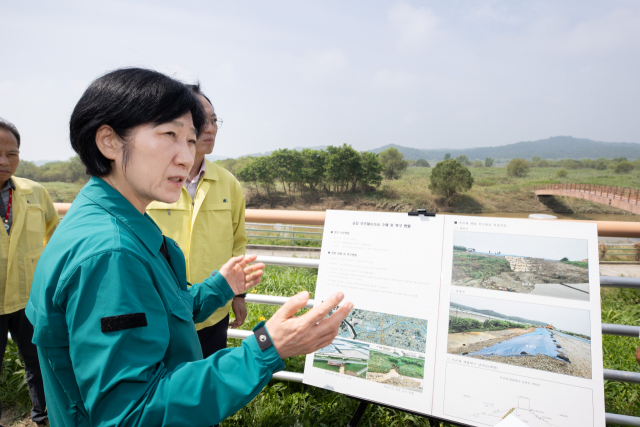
<point x="396" y="369"/>
<point x="554" y="339"/>
<point x="344" y="357"/>
<point x="547" y="266"/>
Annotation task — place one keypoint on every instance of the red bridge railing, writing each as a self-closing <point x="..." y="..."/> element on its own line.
<point x="628" y="195"/>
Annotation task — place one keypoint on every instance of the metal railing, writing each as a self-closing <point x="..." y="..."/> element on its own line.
<point x="625" y="194"/>
<point x="282" y="231"/>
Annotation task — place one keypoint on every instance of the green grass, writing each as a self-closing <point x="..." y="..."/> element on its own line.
<point x="348" y="367"/>
<point x="62" y="192"/>
<point x="583" y="264"/>
<point x="479" y="266"/>
<point x="620" y="306"/>
<point x="381" y="363"/>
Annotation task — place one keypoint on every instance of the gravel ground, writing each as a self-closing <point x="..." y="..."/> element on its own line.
<point x="543" y="363"/>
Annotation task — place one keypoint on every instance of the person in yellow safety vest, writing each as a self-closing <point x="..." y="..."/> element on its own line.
<point x="29" y="219"/>
<point x="208" y="224"/>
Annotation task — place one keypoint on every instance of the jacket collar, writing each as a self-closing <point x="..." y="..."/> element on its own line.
<point x="211" y="172"/>
<point x="23" y="187"/>
<point x="142" y="226"/>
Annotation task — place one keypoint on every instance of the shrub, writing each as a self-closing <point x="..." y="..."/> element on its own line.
<point x="464" y="160"/>
<point x="561" y="173"/>
<point x="518" y="168"/>
<point x="601" y="166"/>
<point x="488" y="162"/>
<point x="393" y="162"/>
<point x="624" y="167"/>
<point x="478" y="164"/>
<point x="449" y="178"/>
<point x="422" y="163"/>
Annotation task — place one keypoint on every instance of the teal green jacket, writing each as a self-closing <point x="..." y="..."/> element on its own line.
<point x="114" y="326"/>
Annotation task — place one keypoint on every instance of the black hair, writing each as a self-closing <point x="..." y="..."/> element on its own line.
<point x="124" y="99"/>
<point x="4" y="124"/>
<point x="198" y="91"/>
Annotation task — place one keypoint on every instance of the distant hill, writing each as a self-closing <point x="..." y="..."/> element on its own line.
<point x="557" y="147"/>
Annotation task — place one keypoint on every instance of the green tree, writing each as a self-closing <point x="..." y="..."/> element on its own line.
<point x="344" y="168"/>
<point x="393" y="162"/>
<point x="422" y="163"/>
<point x="478" y="164"/>
<point x="619" y="159"/>
<point x="314" y="167"/>
<point x="561" y="173"/>
<point x="544" y="163"/>
<point x="450" y="178"/>
<point x="447" y="156"/>
<point x="488" y="162"/>
<point x="518" y="168"/>
<point x="259" y="171"/>
<point x="287" y="167"/>
<point x="371" y="170"/>
<point x="601" y="166"/>
<point x="27" y="169"/>
<point x="464" y="160"/>
<point x="624" y="167"/>
<point x="535" y="159"/>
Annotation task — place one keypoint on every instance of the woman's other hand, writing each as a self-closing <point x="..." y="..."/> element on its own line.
<point x="239" y="307"/>
<point x="239" y="275"/>
<point x="312" y="331"/>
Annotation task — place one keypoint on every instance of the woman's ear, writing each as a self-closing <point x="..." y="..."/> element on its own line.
<point x="108" y="142"/>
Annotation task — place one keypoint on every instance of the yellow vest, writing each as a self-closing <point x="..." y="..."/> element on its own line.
<point x="34" y="220"/>
<point x="209" y="229"/>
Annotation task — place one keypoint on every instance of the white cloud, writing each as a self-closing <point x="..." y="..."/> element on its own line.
<point x="416" y="26"/>
<point x="324" y="63"/>
<point x="395" y="80"/>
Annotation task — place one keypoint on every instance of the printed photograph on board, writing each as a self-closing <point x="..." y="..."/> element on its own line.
<point x="549" y="266"/>
<point x="554" y="339"/>
<point x="396" y="367"/>
<point x="385" y="329"/>
<point x="344" y="357"/>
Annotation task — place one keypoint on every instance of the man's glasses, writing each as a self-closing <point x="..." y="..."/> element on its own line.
<point x="216" y="122"/>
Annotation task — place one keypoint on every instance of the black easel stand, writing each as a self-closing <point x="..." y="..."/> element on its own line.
<point x="362" y="407"/>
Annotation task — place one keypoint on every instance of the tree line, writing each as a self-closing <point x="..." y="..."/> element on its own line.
<point x="334" y="170"/>
<point x="71" y="170"/>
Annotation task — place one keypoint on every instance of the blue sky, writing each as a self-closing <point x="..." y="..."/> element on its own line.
<point x="367" y="73"/>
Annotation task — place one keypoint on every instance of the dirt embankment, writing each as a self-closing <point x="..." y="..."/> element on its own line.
<point x="395" y="379"/>
<point x="469" y="342"/>
<point x="523" y="281"/>
<point x="542" y="362"/>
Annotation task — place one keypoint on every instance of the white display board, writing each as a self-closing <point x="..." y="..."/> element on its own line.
<point x="465" y="318"/>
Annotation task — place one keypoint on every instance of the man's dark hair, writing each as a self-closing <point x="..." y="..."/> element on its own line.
<point x="198" y="91"/>
<point x="124" y="99"/>
<point x="4" y="124"/>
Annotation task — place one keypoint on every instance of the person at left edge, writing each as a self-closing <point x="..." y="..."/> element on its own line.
<point x="29" y="219"/>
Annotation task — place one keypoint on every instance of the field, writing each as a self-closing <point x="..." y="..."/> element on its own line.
<point x="493" y="191"/>
<point x="283" y="403"/>
<point x="396" y="370"/>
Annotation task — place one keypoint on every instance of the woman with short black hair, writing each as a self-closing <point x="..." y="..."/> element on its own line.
<point x="111" y="308"/>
